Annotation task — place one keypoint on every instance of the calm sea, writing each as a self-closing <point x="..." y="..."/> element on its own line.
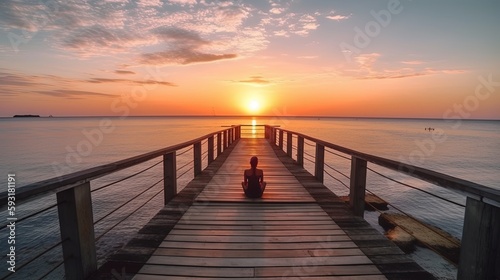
<point x="38" y="149"/>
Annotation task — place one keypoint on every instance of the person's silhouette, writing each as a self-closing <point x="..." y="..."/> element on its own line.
<point x="253" y="183"/>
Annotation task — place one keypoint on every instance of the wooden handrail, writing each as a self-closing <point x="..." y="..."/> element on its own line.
<point x="468" y="188"/>
<point x="57" y="184"/>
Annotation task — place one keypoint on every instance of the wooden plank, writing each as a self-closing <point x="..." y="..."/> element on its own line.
<point x="257" y="253"/>
<point x="261" y="246"/>
<point x="258" y="262"/>
<point x="255" y="239"/>
<point x="205" y="232"/>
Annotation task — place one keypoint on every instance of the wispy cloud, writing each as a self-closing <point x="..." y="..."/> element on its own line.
<point x="255" y="80"/>
<point x="124" y="72"/>
<point x="337" y="17"/>
<point x="73" y="93"/>
<point x="368" y="67"/>
<point x="184" y="47"/>
<point x="124" y="81"/>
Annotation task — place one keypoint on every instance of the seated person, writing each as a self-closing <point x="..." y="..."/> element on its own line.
<point x="253" y="184"/>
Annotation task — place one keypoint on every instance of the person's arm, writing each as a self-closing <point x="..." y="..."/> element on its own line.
<point x="245" y="177"/>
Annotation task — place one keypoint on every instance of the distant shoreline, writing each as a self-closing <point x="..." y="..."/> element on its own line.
<point x="26" y="116"/>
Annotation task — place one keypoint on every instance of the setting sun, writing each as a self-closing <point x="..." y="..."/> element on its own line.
<point x="253" y="106"/>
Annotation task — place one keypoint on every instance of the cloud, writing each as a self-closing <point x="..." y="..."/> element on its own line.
<point x="333" y="16"/>
<point x="368" y="67"/>
<point x="255" y="80"/>
<point x="72" y="93"/>
<point x="183" y="47"/>
<point x="138" y="82"/>
<point x="124" y="72"/>
<point x="413" y="62"/>
<point x="183" y="2"/>
<point x="308" y="56"/>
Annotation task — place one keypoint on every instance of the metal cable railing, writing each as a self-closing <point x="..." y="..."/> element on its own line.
<point x="132" y="212"/>
<point x="126" y="202"/>
<point x="415" y="188"/>
<point x="339" y="155"/>
<point x="128" y="177"/>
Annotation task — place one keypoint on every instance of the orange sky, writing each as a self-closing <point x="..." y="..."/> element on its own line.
<point x="189" y="57"/>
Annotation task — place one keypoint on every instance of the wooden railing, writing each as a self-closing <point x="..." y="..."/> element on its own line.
<point x="480" y="244"/>
<point x="74" y="200"/>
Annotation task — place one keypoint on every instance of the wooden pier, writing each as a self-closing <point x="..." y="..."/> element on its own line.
<point x="297" y="229"/>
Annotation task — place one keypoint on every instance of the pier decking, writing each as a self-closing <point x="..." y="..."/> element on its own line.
<point x="297" y="229"/>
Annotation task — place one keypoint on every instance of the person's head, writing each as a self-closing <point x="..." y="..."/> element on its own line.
<point x="254" y="161"/>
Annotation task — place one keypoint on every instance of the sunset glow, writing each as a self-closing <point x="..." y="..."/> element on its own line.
<point x="203" y="57"/>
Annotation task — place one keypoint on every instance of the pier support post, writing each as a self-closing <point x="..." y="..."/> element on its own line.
<point x="300" y="150"/>
<point x="197" y="158"/>
<point x="219" y="144"/>
<point x="210" y="148"/>
<point x="357" y="186"/>
<point x="225" y="139"/>
<point x="77" y="231"/>
<point x="280" y="139"/>
<point x="480" y="248"/>
<point x="169" y="176"/>
<point x="319" y="164"/>
<point x="289" y="143"/>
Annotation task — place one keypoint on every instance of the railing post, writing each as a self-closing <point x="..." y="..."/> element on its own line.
<point x="169" y="176"/>
<point x="210" y="148"/>
<point x="225" y="139"/>
<point x="197" y="158"/>
<point x="238" y="132"/>
<point x="219" y="143"/>
<point x="289" y="143"/>
<point x="357" y="186"/>
<point x="480" y="247"/>
<point x="77" y="231"/>
<point x="230" y="137"/>
<point x="319" y="162"/>
<point x="281" y="139"/>
<point x="300" y="150"/>
<point x="266" y="132"/>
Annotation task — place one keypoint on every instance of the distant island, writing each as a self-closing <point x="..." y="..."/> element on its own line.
<point x="26" y="116"/>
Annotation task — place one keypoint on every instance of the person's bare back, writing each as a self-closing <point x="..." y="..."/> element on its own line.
<point x="253" y="180"/>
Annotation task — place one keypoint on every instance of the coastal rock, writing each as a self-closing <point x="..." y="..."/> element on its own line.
<point x="425" y="235"/>
<point x="402" y="239"/>
<point x="372" y="202"/>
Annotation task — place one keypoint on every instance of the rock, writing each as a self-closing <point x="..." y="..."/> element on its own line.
<point x="404" y="240"/>
<point x="429" y="236"/>
<point x="370" y="200"/>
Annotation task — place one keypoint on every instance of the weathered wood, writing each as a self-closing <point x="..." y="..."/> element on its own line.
<point x="357" y="186"/>
<point x="77" y="231"/>
<point x="280" y="140"/>
<point x="219" y="144"/>
<point x="169" y="176"/>
<point x="480" y="249"/>
<point x="210" y="149"/>
<point x="319" y="163"/>
<point x="226" y="141"/>
<point x="300" y="151"/>
<point x="197" y="158"/>
<point x="289" y="144"/>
